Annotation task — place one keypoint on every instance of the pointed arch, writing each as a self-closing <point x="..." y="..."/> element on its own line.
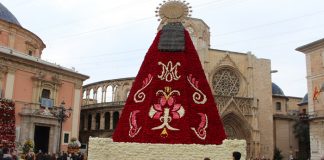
<point x="91" y="94"/>
<point x="99" y="95"/>
<point x="236" y="127"/>
<point x="109" y="93"/>
<point x="84" y="95"/>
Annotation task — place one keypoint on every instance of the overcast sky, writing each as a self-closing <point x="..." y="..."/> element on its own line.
<point x="108" y="39"/>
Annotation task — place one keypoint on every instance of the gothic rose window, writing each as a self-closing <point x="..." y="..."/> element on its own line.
<point x="226" y="82"/>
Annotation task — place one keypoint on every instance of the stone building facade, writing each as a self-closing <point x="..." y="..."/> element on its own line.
<point x="314" y="53"/>
<point x="240" y="82"/>
<point x="37" y="87"/>
<point x="286" y="112"/>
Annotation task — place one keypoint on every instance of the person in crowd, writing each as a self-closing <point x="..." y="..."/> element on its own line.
<point x="14" y="155"/>
<point x="322" y="158"/>
<point x="30" y="155"/>
<point x="6" y="154"/>
<point x="53" y="156"/>
<point x="39" y="155"/>
<point x="236" y="155"/>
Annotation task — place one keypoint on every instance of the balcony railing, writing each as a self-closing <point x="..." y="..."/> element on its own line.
<point x="105" y="104"/>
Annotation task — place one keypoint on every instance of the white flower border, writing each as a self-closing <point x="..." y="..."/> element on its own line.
<point x="105" y="148"/>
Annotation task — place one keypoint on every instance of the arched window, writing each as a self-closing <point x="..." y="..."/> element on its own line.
<point x="107" y="120"/>
<point x="109" y="94"/>
<point x="99" y="95"/>
<point x="278" y="106"/>
<point x="97" y="121"/>
<point x="226" y="82"/>
<point x="89" y="122"/>
<point x="91" y="95"/>
<point x="84" y="95"/>
<point x="115" y="119"/>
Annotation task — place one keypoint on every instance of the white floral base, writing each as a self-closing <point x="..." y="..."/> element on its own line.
<point x="105" y="148"/>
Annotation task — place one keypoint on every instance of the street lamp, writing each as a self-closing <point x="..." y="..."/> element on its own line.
<point x="61" y="113"/>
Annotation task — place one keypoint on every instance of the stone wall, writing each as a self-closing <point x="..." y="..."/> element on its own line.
<point x="105" y="148"/>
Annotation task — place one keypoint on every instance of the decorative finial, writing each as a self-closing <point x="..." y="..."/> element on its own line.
<point x="173" y="11"/>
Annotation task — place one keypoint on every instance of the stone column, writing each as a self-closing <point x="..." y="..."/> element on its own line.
<point x="95" y="96"/>
<point x="93" y="122"/>
<point x="102" y="121"/>
<point x="102" y="95"/>
<point x="111" y="120"/>
<point x="87" y="97"/>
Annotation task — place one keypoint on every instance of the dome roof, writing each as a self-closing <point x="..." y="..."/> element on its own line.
<point x="6" y="15"/>
<point x="276" y="90"/>
<point x="305" y="100"/>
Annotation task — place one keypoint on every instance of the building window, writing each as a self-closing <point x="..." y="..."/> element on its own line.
<point x="107" y="120"/>
<point x="89" y="122"/>
<point x="66" y="137"/>
<point x="46" y="93"/>
<point x="45" y="99"/>
<point x="116" y="118"/>
<point x="97" y="121"/>
<point x="278" y="106"/>
<point x="30" y="52"/>
<point x="226" y="82"/>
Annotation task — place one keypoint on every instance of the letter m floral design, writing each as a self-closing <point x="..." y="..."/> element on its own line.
<point x="169" y="72"/>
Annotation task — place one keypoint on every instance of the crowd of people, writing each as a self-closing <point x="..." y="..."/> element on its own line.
<point x="11" y="154"/>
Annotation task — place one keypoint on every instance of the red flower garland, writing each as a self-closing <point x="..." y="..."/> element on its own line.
<point x="7" y="123"/>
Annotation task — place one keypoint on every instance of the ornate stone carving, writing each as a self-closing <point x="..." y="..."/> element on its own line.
<point x="243" y="105"/>
<point x="226" y="82"/>
<point x="56" y="78"/>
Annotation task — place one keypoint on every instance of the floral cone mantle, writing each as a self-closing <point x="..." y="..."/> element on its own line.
<point x="170" y="101"/>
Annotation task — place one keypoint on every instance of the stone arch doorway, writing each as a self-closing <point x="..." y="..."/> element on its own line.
<point x="237" y="127"/>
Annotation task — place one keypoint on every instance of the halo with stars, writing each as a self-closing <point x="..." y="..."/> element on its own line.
<point x="173" y="11"/>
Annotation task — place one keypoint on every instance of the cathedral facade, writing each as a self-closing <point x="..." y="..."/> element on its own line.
<point x="241" y="85"/>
